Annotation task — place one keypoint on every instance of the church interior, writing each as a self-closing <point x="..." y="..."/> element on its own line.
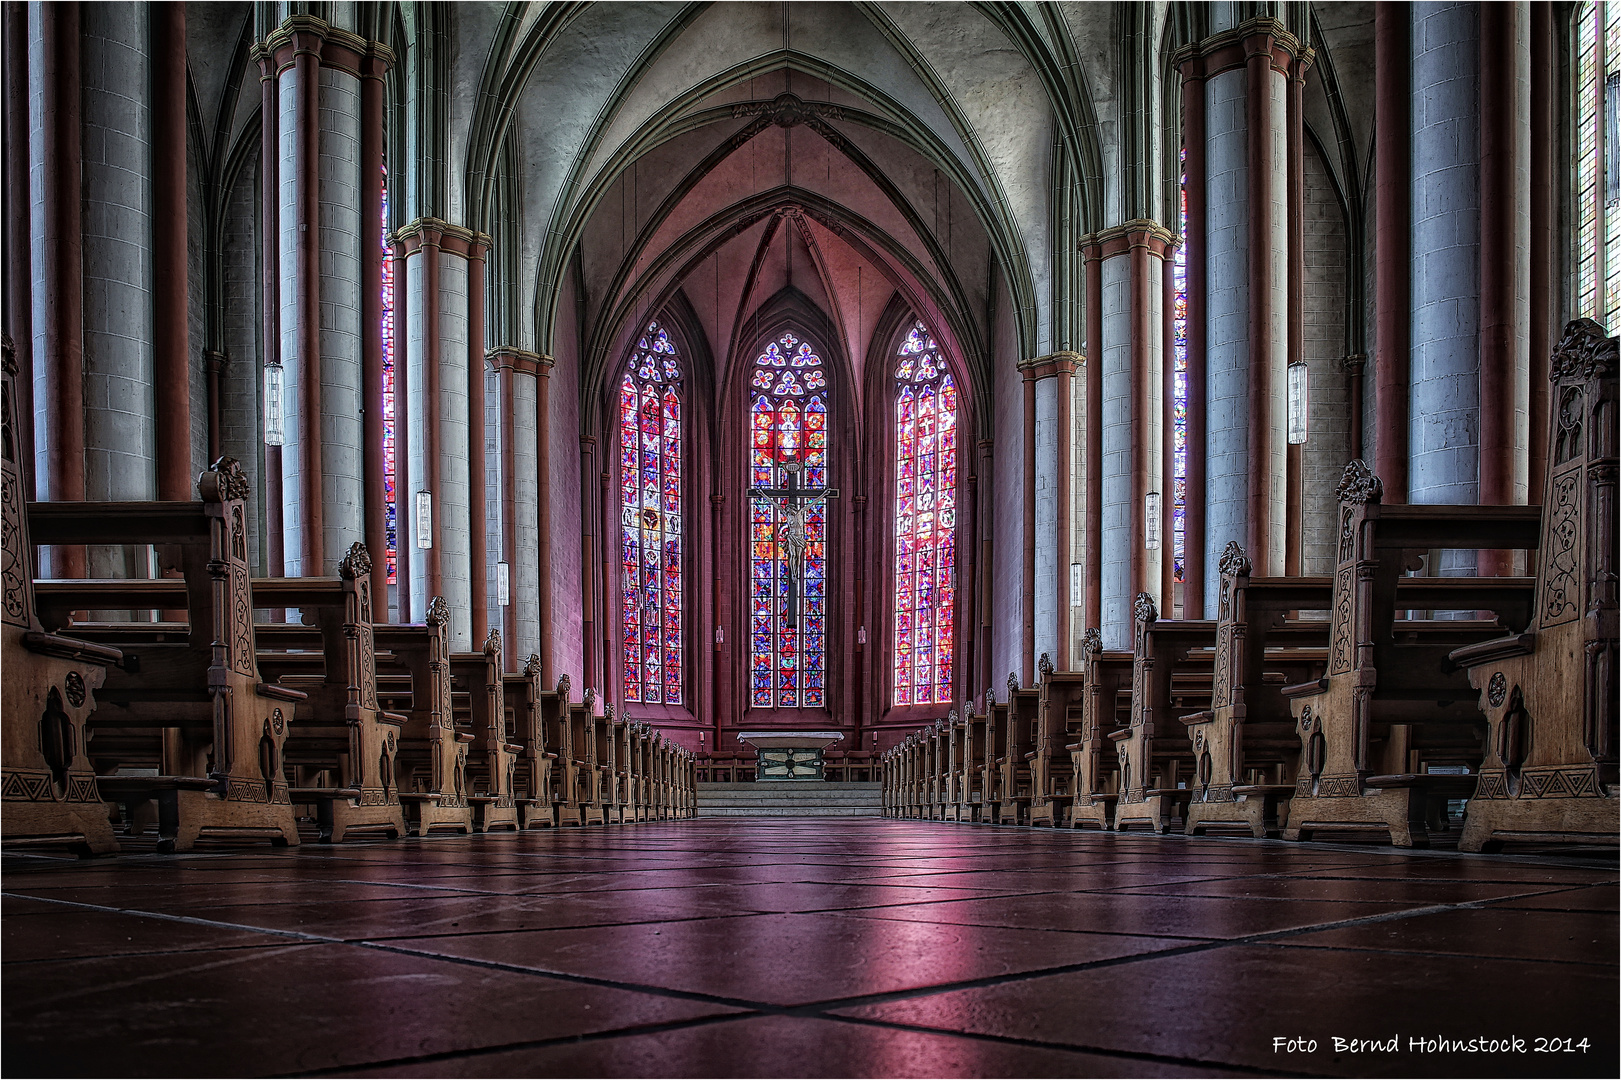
<point x="1054" y="539"/>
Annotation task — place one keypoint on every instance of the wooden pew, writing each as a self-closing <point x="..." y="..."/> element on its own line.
<point x="187" y="698"/>
<point x="1388" y="699"/>
<point x="1550" y="695"/>
<point x="971" y="785"/>
<point x="1248" y="727"/>
<point x="532" y="785"/>
<point x="990" y="783"/>
<point x="1051" y="785"/>
<point x="492" y="755"/>
<point x="432" y="756"/>
<point x="1094" y="759"/>
<point x="583" y="721"/>
<point x="341" y="730"/>
<point x="557" y="717"/>
<point x="47" y="783"/>
<point x="1154" y="750"/>
<point x="1014" y="781"/>
<point x="609" y="731"/>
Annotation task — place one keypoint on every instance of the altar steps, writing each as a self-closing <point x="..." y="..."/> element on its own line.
<point x="790" y="798"/>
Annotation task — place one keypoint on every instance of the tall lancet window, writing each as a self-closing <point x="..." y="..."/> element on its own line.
<point x="925" y="522"/>
<point x="650" y="470"/>
<point x="788" y="570"/>
<point x="392" y="509"/>
<point x="1179" y="402"/>
<point x="1597" y="166"/>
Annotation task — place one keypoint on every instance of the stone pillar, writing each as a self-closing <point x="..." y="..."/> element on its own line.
<point x="269" y="245"/>
<point x="58" y="284"/>
<point x="542" y="516"/>
<point x="1444" y="395"/>
<point x="478" y="566"/>
<point x="120" y="448"/>
<point x="1392" y="373"/>
<point x="176" y="472"/>
<point x="1132" y="262"/>
<point x="19" y="233"/>
<point x="1246" y="347"/>
<point x="1047" y="442"/>
<point x="1027" y="579"/>
<point x="519" y="373"/>
<point x="1092" y="561"/>
<point x="320" y="229"/>
<point x="438" y="402"/>
<point x="1544" y="128"/>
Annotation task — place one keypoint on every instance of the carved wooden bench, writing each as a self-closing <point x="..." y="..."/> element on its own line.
<point x="1550" y="694"/>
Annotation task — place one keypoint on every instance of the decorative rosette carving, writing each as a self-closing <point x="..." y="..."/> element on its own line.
<point x="1234" y="562"/>
<point x="1359" y="485"/>
<point x="1583" y="352"/>
<point x="356" y="564"/>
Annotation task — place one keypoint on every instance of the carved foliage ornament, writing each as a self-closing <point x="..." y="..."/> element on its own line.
<point x="438" y="611"/>
<point x="1144" y="609"/>
<point x="1496" y="689"/>
<point x="233" y="482"/>
<point x="492" y="644"/>
<point x="1359" y="485"/>
<point x="1092" y="641"/>
<point x="1583" y="352"/>
<point x="531" y="667"/>
<point x="357" y="563"/>
<point x="1045" y="665"/>
<point x="1012" y="684"/>
<point x="1234" y="563"/>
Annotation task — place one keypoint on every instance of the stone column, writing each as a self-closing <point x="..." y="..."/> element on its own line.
<point x="1132" y="258"/>
<point x="1246" y="347"/>
<point x="1092" y="560"/>
<point x="519" y="374"/>
<point x="320" y="228"/>
<point x="58" y="285"/>
<point x="438" y="402"/>
<point x="19" y="234"/>
<point x="1392" y="373"/>
<point x="1444" y="396"/>
<point x="1047" y="444"/>
<point x="478" y="567"/>
<point x="176" y="472"/>
<point x="120" y="448"/>
<point x="268" y="243"/>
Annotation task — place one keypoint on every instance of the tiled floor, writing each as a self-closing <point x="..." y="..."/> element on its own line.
<point x="726" y="947"/>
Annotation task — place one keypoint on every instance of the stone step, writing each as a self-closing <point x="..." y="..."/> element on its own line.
<point x="790" y="798"/>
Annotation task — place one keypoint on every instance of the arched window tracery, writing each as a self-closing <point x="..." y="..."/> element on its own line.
<point x="925" y="397"/>
<point x="651" y="444"/>
<point x="788" y="428"/>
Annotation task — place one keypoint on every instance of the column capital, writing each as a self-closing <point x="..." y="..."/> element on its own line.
<point x="1120" y="239"/>
<point x="437" y="233"/>
<point x="330" y="45"/>
<point x="215" y="361"/>
<point x="1043" y="367"/>
<point x="1232" y="49"/>
<point x="521" y="361"/>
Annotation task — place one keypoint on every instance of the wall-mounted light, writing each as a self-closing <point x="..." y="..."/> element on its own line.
<point x="424" y="519"/>
<point x="861" y="635"/>
<point x="1299" y="404"/>
<point x="275" y="415"/>
<point x="1151" y="521"/>
<point x="720" y="635"/>
<point x="503" y="583"/>
<point x="1077" y="584"/>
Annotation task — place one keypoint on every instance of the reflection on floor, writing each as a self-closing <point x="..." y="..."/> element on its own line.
<point x="732" y="947"/>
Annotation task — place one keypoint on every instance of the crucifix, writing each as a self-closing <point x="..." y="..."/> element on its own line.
<point x="794" y="500"/>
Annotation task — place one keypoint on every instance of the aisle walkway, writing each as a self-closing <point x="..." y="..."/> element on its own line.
<point x="728" y="947"/>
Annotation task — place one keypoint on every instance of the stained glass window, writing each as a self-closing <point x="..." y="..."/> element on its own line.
<point x="390" y="509"/>
<point x="1597" y="166"/>
<point x="787" y="616"/>
<point x="650" y="470"/>
<point x="925" y="521"/>
<point x="1179" y="402"/>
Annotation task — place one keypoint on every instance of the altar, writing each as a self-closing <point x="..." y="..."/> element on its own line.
<point x="789" y="755"/>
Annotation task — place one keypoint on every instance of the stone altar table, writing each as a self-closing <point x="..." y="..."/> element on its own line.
<point x="789" y="755"/>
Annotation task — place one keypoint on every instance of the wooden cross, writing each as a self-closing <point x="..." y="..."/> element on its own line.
<point x="793" y="534"/>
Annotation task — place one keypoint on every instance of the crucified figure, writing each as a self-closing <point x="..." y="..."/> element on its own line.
<point x="794" y="536"/>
